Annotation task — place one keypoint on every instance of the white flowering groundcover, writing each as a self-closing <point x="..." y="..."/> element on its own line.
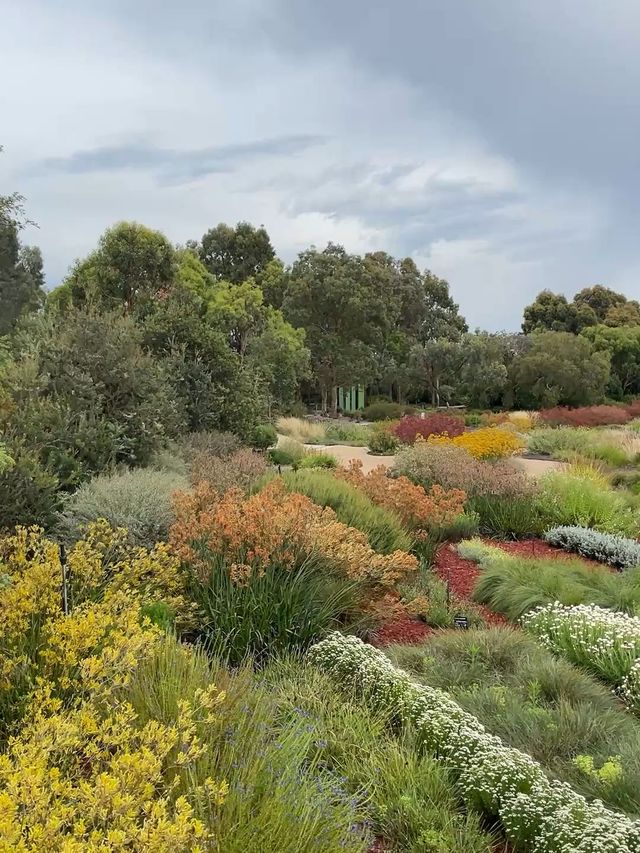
<point x="618" y="551"/>
<point x="537" y="814"/>
<point x="604" y="641"/>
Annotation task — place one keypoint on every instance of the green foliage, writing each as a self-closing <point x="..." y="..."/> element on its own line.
<point x="623" y="347"/>
<point x="85" y="395"/>
<point x="514" y="585"/>
<point x="282" y="609"/>
<point x="355" y="435"/>
<point x="132" y="265"/>
<point x="211" y="442"/>
<point x="578" y="499"/>
<point x="318" y="460"/>
<point x="281" y="794"/>
<point x="559" y="368"/>
<point x="236" y="254"/>
<point x="264" y="436"/>
<point x="517" y="516"/>
<point x="139" y="501"/>
<point x="385" y="411"/>
<point x="426" y="596"/>
<point x="383" y="528"/>
<point x="288" y="452"/>
<point x="382" y="441"/>
<point x="536" y="703"/>
<point x="552" y="312"/>
<point x="29" y="494"/>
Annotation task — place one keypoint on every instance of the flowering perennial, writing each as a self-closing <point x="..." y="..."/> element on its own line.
<point x="618" y="551"/>
<point x="417" y="508"/>
<point x="537" y="814"/>
<point x="81" y="781"/>
<point x="604" y="641"/>
<point x="275" y="527"/>
<point x="486" y="443"/>
<point x="411" y="427"/>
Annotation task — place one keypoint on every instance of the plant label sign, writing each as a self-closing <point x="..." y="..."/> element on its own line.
<point x="461" y="622"/>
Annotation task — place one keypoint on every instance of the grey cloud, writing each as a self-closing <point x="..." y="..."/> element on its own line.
<point x="177" y="166"/>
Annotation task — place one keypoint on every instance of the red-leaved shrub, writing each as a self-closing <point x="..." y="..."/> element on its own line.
<point x="585" y="416"/>
<point x="409" y="428"/>
<point x="633" y="408"/>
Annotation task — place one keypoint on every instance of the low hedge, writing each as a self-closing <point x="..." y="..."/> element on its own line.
<point x="537" y="814"/>
<point x="618" y="551"/>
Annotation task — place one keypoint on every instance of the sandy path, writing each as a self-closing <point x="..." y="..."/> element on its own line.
<point x="344" y="453"/>
<point x="537" y="467"/>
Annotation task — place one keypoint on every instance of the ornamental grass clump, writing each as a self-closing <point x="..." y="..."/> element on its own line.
<point x="618" y="551"/>
<point x="382" y="525"/>
<point x="603" y="641"/>
<point x="410" y="427"/>
<point x="417" y="508"/>
<point x="578" y="498"/>
<point x="536" y="814"/>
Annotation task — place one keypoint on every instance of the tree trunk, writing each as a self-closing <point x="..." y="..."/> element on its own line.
<point x="323" y="391"/>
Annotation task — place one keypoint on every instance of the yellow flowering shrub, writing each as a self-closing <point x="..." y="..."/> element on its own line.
<point x="484" y="443"/>
<point x="77" y="780"/>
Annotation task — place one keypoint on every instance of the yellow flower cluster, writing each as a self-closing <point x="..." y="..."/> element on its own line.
<point x="78" y="780"/>
<point x="485" y="443"/>
<point x="80" y="771"/>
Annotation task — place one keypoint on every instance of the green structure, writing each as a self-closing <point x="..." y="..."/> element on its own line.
<point x="351" y="399"/>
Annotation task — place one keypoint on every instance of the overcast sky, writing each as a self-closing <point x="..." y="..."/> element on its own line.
<point x="497" y="142"/>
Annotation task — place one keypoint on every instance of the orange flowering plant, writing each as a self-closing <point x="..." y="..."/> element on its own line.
<point x="417" y="508"/>
<point x="274" y="527"/>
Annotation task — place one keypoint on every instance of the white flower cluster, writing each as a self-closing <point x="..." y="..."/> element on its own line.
<point x="537" y="814"/>
<point x="608" y="548"/>
<point x="630" y="690"/>
<point x="604" y="641"/>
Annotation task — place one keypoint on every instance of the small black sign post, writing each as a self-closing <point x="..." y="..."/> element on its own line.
<point x="461" y="622"/>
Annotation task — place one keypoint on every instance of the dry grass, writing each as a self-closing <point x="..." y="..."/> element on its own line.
<point x="300" y="429"/>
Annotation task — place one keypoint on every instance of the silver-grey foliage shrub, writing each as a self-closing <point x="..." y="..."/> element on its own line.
<point x="139" y="500"/>
<point x="608" y="548"/>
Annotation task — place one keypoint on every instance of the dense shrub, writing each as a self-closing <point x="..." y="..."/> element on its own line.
<point x="382" y="526"/>
<point x="287" y="452"/>
<point x="140" y="501"/>
<point x="493" y="778"/>
<point x="418" y="509"/>
<point x="318" y="460"/>
<point x="242" y="469"/>
<point x="29" y="493"/>
<point x="86" y="395"/>
<point x="409" y="428"/>
<point x="274" y="527"/>
<point x="617" y="551"/>
<point x="356" y="435"/>
<point x="454" y="468"/>
<point x="383" y="411"/>
<point x="487" y="443"/>
<point x="518" y="516"/>
<point x="211" y="442"/>
<point x="585" y="416"/>
<point x="263" y="436"/>
<point x="383" y="441"/>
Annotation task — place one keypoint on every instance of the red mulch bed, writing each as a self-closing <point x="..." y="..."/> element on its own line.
<point x="462" y="575"/>
<point x="405" y="629"/>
